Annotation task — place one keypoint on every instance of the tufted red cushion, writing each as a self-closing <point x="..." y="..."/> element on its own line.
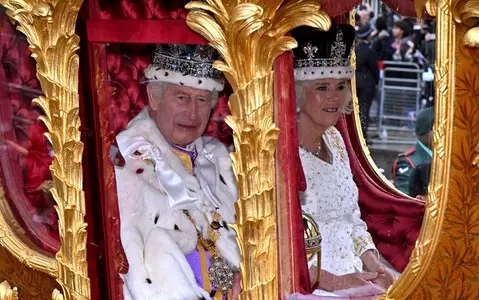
<point x="25" y="155"/>
<point x="394" y="221"/>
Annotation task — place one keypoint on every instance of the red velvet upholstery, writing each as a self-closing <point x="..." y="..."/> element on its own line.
<point x="174" y="9"/>
<point x="394" y="221"/>
<point x="25" y="157"/>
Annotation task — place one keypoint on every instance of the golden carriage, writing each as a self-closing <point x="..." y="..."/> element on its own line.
<point x="80" y="262"/>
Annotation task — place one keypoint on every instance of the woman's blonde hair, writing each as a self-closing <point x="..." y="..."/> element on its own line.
<point x="299" y="87"/>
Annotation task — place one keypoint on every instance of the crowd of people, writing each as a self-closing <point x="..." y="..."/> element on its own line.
<point x="391" y="37"/>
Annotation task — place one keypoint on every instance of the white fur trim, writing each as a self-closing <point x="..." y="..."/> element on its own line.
<point x="152" y="74"/>
<point x="149" y="239"/>
<point x="313" y="73"/>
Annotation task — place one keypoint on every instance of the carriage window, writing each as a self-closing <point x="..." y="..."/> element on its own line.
<point x="163" y="109"/>
<point x="26" y="154"/>
<point x="396" y="95"/>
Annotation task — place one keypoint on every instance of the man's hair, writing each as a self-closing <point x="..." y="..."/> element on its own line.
<point x="381" y="24"/>
<point x="159" y="86"/>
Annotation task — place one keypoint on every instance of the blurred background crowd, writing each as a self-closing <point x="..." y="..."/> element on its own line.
<point x="395" y="84"/>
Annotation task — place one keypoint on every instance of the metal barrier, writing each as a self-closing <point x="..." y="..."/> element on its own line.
<point x="400" y="101"/>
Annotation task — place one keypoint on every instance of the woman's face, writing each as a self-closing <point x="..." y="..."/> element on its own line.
<point x="325" y="100"/>
<point x="398" y="33"/>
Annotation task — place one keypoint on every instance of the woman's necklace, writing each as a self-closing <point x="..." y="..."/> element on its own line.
<point x="320" y="151"/>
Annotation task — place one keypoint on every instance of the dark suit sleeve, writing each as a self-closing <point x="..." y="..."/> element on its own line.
<point x="373" y="64"/>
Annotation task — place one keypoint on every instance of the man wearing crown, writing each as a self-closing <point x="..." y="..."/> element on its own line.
<point x="176" y="190"/>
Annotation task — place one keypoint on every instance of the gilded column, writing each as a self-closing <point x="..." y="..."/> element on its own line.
<point x="249" y="36"/>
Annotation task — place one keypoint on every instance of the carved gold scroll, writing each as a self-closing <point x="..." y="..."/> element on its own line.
<point x="7" y="292"/>
<point x="50" y="30"/>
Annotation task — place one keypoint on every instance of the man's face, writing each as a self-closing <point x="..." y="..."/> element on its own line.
<point x="181" y="113"/>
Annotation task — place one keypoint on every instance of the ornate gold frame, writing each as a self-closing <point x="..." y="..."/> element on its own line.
<point x="50" y="30"/>
<point x="249" y="37"/>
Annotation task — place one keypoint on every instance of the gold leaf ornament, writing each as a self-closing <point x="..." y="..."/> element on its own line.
<point x="467" y="12"/>
<point x="249" y="37"/>
<point x="50" y="30"/>
<point x="7" y="292"/>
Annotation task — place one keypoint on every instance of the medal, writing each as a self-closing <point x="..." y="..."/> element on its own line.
<point x="220" y="273"/>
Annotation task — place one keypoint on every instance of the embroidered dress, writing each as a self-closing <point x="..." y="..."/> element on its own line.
<point x="332" y="200"/>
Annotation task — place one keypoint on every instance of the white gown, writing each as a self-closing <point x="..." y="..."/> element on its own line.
<point x="332" y="200"/>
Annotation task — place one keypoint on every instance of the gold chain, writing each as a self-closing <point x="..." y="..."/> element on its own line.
<point x="213" y="233"/>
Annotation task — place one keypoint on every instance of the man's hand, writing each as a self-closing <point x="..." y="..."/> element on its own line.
<point x="383" y="34"/>
<point x="236" y="286"/>
<point x="330" y="282"/>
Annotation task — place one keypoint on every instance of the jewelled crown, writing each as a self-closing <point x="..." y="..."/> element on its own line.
<point x="323" y="54"/>
<point x="188" y="65"/>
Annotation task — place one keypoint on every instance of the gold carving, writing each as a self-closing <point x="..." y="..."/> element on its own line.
<point x="437" y="199"/>
<point x="7" y="292"/>
<point x="454" y="266"/>
<point x="467" y="12"/>
<point x="249" y="36"/>
<point x="50" y="30"/>
<point x="476" y="160"/>
<point x="10" y="238"/>
<point x="31" y="284"/>
<point x="56" y="295"/>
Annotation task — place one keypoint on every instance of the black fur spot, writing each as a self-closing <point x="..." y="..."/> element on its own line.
<point x="148" y="280"/>
<point x="181" y="83"/>
<point x="200" y="81"/>
<point x="176" y="228"/>
<point x="156" y="218"/>
<point x="166" y="74"/>
<point x="155" y="77"/>
<point x="222" y="180"/>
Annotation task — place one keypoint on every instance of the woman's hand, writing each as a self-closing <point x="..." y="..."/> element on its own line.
<point x="372" y="264"/>
<point x="236" y="286"/>
<point x="330" y="282"/>
<point x="385" y="279"/>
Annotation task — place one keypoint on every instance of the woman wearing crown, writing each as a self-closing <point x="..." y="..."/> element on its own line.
<point x="322" y="70"/>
